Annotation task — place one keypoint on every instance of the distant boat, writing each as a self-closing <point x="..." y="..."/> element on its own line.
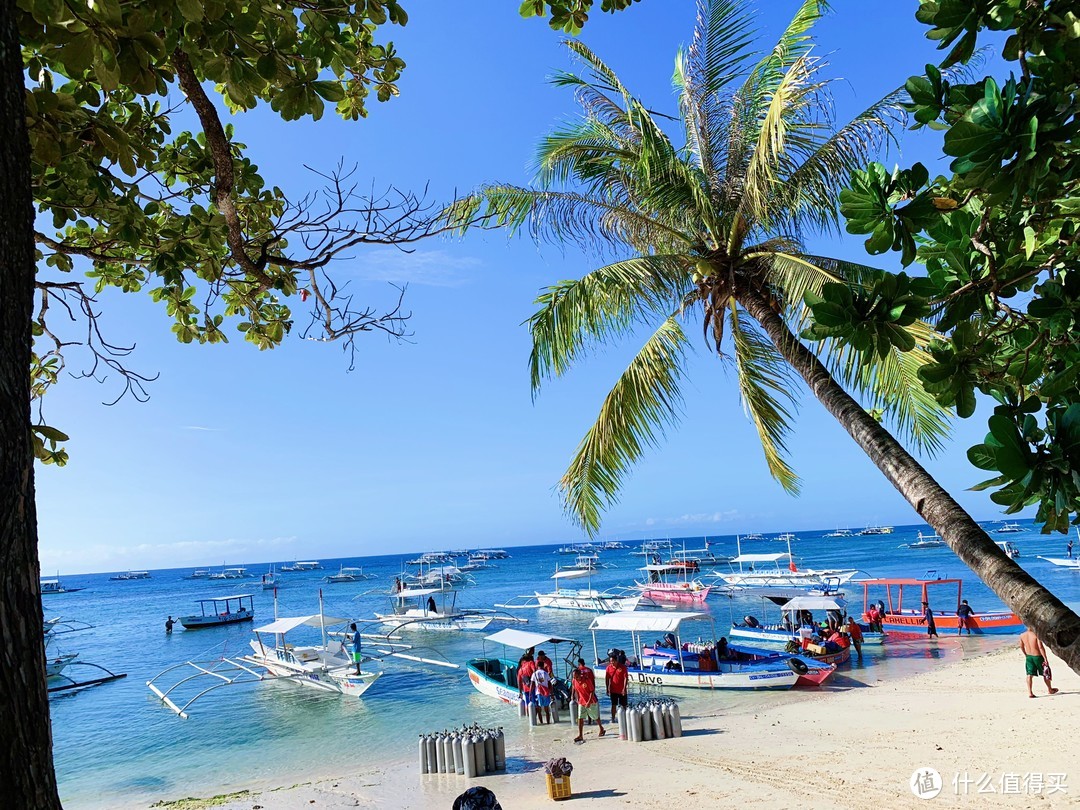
<point x="873" y="530"/>
<point x="841" y="533"/>
<point x="1009" y="528"/>
<point x="1009" y="548"/>
<point x="349" y="574"/>
<point x="433" y="609"/>
<point x="129" y="575"/>
<point x="236" y="572"/>
<point x="269" y="581"/>
<point x="199" y="573"/>
<point x="222" y="610"/>
<point x="588" y="598"/>
<point x="925" y="541"/>
<point x="51" y="586"/>
<point x="1062" y="562"/>
<point x="300" y="567"/>
<point x="753" y="536"/>
<point x="786" y="537"/>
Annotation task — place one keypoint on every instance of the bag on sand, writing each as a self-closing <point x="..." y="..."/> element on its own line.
<point x="477" y="798"/>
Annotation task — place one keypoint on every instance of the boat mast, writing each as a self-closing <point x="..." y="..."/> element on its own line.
<point x="322" y="619"/>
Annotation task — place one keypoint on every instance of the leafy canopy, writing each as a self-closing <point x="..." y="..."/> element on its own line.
<point x="999" y="241"/>
<point x="694" y="227"/>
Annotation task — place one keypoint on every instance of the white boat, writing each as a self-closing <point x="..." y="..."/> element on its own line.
<point x="787" y="537"/>
<point x="841" y="533"/>
<point x="788" y="628"/>
<point x="349" y="574"/>
<point x="497" y="676"/>
<point x="588" y="598"/>
<point x="222" y="610"/>
<point x="433" y="609"/>
<point x="876" y="530"/>
<point x="130" y="575"/>
<point x="199" y="573"/>
<point x="302" y="566"/>
<point x="52" y="586"/>
<point x="924" y="541"/>
<point x="59" y="664"/>
<point x="235" y="572"/>
<point x="269" y="580"/>
<point x="1009" y="528"/>
<point x="764" y="571"/>
<point x="1009" y="547"/>
<point x="1063" y="562"/>
<point x="652" y="548"/>
<point x="657" y="665"/>
<point x="751" y="536"/>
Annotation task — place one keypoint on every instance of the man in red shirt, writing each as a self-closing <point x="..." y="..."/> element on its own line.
<point x="526" y="668"/>
<point x="544" y="663"/>
<point x="584" y="681"/>
<point x="855" y="632"/>
<point x="615" y="679"/>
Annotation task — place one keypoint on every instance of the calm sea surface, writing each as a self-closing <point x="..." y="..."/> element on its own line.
<point x="118" y="742"/>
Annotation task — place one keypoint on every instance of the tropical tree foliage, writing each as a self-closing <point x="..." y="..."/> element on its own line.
<point x="569" y="15"/>
<point x="709" y="228"/>
<point x="695" y="225"/>
<point x="999" y="241"/>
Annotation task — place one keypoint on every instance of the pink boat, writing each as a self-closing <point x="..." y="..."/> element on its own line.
<point x="670" y="583"/>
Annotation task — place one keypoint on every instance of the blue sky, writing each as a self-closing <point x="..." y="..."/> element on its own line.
<point x="242" y="456"/>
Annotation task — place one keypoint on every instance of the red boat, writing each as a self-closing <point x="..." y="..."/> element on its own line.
<point x="910" y="621"/>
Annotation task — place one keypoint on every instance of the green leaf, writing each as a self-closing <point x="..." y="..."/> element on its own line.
<point x="191" y="9"/>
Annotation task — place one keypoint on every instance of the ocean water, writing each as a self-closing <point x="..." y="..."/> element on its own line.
<point x="116" y="743"/>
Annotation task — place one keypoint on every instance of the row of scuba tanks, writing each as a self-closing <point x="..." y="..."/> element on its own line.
<point x="532" y="711"/>
<point x="656" y="719"/>
<point x="469" y="751"/>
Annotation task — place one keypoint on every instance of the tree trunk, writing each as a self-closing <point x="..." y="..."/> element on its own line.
<point x="1055" y="624"/>
<point x="26" y="769"/>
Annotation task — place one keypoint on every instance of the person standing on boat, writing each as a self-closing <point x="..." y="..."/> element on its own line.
<point x="1068" y="549"/>
<point x="588" y="705"/>
<point x="357" y="655"/>
<point x="615" y="681"/>
<point x="1035" y="660"/>
<point x="964" y="613"/>
<point x="928" y="617"/>
<point x="169" y="622"/>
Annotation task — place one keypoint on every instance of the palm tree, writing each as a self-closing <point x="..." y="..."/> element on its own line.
<point x="712" y="230"/>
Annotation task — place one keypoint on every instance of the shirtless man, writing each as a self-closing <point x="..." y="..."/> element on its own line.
<point x="1035" y="660"/>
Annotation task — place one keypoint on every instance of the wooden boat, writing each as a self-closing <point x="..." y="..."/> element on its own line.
<point x="673" y="665"/>
<point x="901" y="619"/>
<point x="818" y="667"/>
<point x="223" y="610"/>
<point x="434" y="609"/>
<point x="496" y="676"/>
<point x="763" y="570"/>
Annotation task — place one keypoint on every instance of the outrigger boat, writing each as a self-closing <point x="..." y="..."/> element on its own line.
<point x="130" y="575"/>
<point x="199" y="573"/>
<point x="56" y="662"/>
<point x="924" y="541"/>
<point x="751" y="573"/>
<point x="497" y="677"/>
<point x="670" y="583"/>
<point x="349" y="574"/>
<point x="1062" y="562"/>
<point x="899" y="619"/>
<point x="674" y="665"/>
<point x="1010" y="528"/>
<point x="52" y="586"/>
<point x="223" y="610"/>
<point x="435" y="609"/>
<point x="788" y="629"/>
<point x="588" y="598"/>
<point x="301" y="567"/>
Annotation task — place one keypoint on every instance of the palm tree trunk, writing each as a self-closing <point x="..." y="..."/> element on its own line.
<point x="1055" y="624"/>
<point x="26" y="767"/>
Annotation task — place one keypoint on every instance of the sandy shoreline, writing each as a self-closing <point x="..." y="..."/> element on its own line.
<point x="855" y="749"/>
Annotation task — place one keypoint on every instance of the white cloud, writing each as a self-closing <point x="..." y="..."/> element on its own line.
<point x="200" y="427"/>
<point x="434" y="268"/>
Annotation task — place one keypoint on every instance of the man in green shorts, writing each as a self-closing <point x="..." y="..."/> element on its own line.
<point x="357" y="655"/>
<point x="584" y="682"/>
<point x="1035" y="661"/>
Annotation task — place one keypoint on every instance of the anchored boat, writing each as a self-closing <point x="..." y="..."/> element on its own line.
<point x="587" y="598"/>
<point x="222" y="610"/>
<point x="497" y="676"/>
<point x="901" y="619"/>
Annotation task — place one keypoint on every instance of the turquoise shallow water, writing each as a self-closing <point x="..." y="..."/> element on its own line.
<point x="117" y="740"/>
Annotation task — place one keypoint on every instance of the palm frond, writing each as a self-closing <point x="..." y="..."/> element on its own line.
<point x="635" y="412"/>
<point x="765" y="382"/>
<point x="607" y="303"/>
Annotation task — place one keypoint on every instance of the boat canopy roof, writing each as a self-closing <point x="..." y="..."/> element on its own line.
<point x="523" y="639"/>
<point x="815" y="603"/>
<point x="753" y="558"/>
<point x="224" y="598"/>
<point x="662" y="567"/>
<point x="632" y="620"/>
<point x="571" y="573"/>
<point x="291" y="623"/>
<point x="407" y="592"/>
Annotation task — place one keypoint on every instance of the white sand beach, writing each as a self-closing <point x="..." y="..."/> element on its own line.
<point x="971" y="720"/>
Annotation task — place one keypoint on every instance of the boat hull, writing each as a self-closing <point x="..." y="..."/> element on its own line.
<point x="201" y="622"/>
<point x="481" y="676"/>
<point x="313" y="674"/>
<point x="982" y="624"/>
<point x="434" y="622"/>
<point x="729" y="677"/>
<point x="682" y="595"/>
<point x="587" y="600"/>
<point x="769" y="635"/>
